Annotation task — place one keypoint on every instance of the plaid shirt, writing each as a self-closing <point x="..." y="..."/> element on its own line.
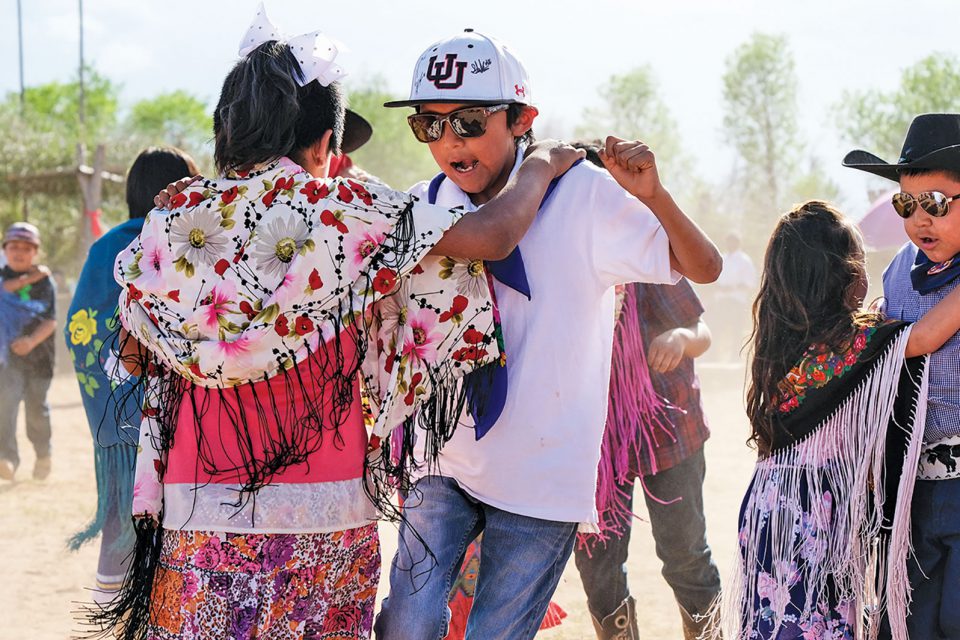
<point x="662" y="308"/>
<point x="902" y="302"/>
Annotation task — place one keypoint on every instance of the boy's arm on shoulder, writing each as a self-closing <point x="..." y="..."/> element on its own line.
<point x="938" y="325"/>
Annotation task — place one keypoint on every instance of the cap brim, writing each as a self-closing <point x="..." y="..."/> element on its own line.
<point x="414" y="103"/>
<point x="356" y="132"/>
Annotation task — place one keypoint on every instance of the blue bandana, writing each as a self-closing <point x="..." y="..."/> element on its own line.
<point x="927" y="275"/>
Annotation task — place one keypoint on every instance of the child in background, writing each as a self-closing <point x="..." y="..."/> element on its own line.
<point x="837" y="414"/>
<point x="27" y="371"/>
<point x="924" y="273"/>
<point x="92" y="317"/>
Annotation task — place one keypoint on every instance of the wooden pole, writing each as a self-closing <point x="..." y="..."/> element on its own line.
<point x="91" y="188"/>
<point x="82" y="98"/>
<point x="20" y="46"/>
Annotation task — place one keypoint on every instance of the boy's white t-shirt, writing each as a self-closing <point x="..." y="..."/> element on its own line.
<point x="540" y="458"/>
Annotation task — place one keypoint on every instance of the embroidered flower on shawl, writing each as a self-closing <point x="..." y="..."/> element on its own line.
<point x="360" y="246"/>
<point x="216" y="305"/>
<point x="421" y="340"/>
<point x="392" y="310"/>
<point x="278" y="243"/>
<point x="470" y="275"/>
<point x="198" y="238"/>
<point x="818" y="367"/>
<point x="155" y="255"/>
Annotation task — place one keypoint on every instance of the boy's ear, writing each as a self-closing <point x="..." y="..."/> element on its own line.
<point x="320" y="152"/>
<point x="525" y="121"/>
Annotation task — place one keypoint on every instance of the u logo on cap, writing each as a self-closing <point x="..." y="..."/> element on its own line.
<point x="439" y="73"/>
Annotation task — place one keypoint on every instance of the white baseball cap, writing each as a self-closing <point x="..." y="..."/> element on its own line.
<point x="469" y="68"/>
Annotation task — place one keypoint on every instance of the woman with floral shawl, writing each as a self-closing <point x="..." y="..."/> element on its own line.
<point x="253" y="302"/>
<point x="835" y="398"/>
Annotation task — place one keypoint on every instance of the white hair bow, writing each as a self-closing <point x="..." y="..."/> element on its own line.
<point x="314" y="51"/>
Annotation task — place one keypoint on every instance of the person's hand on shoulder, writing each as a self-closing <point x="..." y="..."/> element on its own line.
<point x="162" y="199"/>
<point x="633" y="165"/>
<point x="559" y="155"/>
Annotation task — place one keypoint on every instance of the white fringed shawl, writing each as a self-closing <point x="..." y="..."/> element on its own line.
<point x="846" y="454"/>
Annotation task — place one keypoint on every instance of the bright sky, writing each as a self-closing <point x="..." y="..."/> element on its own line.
<point x="569" y="49"/>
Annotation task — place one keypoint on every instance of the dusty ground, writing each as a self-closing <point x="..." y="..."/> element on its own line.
<point x="42" y="582"/>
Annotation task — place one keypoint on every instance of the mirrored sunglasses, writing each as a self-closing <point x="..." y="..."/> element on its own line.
<point x="933" y="202"/>
<point x="469" y="122"/>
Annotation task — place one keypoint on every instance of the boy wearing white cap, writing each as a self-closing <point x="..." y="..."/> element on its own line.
<point x="26" y="366"/>
<point x="525" y="471"/>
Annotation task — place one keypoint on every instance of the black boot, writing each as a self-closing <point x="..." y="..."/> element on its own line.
<point x="619" y="625"/>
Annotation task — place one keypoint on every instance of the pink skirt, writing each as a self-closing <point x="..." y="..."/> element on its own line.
<point x="220" y="586"/>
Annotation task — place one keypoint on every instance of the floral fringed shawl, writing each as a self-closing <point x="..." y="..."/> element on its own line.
<point x="273" y="275"/>
<point x="825" y="525"/>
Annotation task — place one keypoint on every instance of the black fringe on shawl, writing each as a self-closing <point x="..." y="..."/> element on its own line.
<point x="300" y="433"/>
<point x="127" y="617"/>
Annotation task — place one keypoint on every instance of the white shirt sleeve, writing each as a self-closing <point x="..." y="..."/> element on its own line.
<point x="629" y="244"/>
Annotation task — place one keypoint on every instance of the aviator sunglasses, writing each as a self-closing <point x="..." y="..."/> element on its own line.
<point x="470" y="122"/>
<point x="933" y="202"/>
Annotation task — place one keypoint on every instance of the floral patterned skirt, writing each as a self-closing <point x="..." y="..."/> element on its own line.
<point x="225" y="586"/>
<point x="782" y="607"/>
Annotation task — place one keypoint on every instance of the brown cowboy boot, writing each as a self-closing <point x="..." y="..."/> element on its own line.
<point x="697" y="627"/>
<point x="619" y="625"/>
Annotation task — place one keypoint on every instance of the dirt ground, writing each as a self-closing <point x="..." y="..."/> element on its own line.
<point x="42" y="582"/>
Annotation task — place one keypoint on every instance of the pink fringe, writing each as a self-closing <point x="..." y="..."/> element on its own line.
<point x="634" y="425"/>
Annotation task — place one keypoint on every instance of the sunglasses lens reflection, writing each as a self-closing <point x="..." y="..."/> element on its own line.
<point x="934" y="203"/>
<point x="903" y="204"/>
<point x="469" y="123"/>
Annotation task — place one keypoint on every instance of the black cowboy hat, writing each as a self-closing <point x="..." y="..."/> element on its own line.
<point x="932" y="142"/>
<point x="356" y="132"/>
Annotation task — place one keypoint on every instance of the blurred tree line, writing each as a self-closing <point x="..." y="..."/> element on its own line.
<point x="772" y="167"/>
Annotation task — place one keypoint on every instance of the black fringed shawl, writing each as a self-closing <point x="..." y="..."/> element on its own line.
<point x="850" y="425"/>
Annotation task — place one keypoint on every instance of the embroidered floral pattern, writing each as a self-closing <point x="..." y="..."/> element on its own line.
<point x="818" y="367"/>
<point x="782" y="606"/>
<point x="282" y="586"/>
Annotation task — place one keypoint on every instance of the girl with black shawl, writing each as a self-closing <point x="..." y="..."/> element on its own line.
<point x="836" y="400"/>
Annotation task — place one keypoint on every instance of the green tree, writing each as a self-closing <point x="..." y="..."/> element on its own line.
<point x="760" y="115"/>
<point x="878" y="120"/>
<point x="175" y="118"/>
<point x="632" y="109"/>
<point x="393" y="154"/>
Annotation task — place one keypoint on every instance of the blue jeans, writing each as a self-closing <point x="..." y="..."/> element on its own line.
<point x="521" y="564"/>
<point x="935" y="572"/>
<point x="16" y="385"/>
<point x="680" y="533"/>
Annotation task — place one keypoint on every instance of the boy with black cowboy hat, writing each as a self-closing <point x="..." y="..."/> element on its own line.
<point x="919" y="277"/>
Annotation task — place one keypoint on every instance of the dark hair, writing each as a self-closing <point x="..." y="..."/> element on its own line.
<point x="592" y="150"/>
<point x="264" y="114"/>
<point x="814" y="262"/>
<point x="950" y="173"/>
<point x="151" y="172"/>
<point x="514" y="110"/>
